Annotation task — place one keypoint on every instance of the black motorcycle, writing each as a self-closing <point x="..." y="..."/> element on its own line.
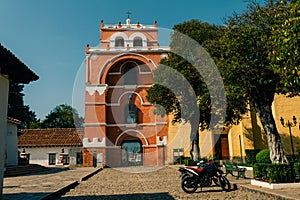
<point x="202" y="176"/>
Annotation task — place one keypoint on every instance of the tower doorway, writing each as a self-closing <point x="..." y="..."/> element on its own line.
<point x="132" y="152"/>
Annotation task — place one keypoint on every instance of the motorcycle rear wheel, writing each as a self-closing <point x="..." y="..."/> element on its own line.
<point x="184" y="176"/>
<point x="189" y="184"/>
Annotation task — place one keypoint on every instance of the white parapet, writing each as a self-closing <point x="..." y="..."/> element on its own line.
<point x="91" y="89"/>
<point x="96" y="143"/>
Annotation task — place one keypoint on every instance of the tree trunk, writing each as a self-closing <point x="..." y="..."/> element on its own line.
<point x="263" y="107"/>
<point x="194" y="141"/>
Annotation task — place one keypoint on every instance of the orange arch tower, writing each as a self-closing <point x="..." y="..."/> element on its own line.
<point x="120" y="127"/>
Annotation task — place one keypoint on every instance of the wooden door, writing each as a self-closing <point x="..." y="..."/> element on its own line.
<point x="221" y="147"/>
<point x="225" y="146"/>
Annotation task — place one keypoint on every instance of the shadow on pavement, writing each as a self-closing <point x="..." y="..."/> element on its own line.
<point x="164" y="195"/>
<point x="216" y="189"/>
<point x="25" y="195"/>
<point x="50" y="171"/>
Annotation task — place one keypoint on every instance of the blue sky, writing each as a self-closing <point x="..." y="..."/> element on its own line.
<point x="50" y="36"/>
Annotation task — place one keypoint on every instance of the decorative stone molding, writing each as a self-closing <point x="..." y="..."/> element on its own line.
<point x="130" y="125"/>
<point x="91" y="89"/>
<point x="161" y="123"/>
<point x="94" y="144"/>
<point x="161" y="142"/>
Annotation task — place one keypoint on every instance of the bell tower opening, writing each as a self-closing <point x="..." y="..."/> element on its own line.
<point x="130" y="74"/>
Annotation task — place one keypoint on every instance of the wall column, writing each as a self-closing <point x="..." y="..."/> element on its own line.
<point x="4" y="88"/>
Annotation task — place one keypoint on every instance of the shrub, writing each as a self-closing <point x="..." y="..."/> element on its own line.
<point x="273" y="173"/>
<point x="189" y="162"/>
<point x="279" y="173"/>
<point x="251" y="155"/>
<point x="298" y="152"/>
<point x="289" y="158"/>
<point x="179" y="160"/>
<point x="204" y="159"/>
<point x="297" y="169"/>
<point x="260" y="171"/>
<point x="263" y="156"/>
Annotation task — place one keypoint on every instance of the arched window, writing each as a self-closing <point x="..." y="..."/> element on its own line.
<point x="130" y="74"/>
<point x="131" y="112"/>
<point x="119" y="42"/>
<point x="137" y="42"/>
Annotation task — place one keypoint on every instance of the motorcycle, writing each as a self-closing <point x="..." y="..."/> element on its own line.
<point x="202" y="176"/>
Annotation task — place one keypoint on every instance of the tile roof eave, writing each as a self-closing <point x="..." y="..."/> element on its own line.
<point x="44" y="146"/>
<point x="14" y="67"/>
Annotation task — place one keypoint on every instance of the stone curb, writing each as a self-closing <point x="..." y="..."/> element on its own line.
<point x="70" y="186"/>
<point x="90" y="175"/>
<point x="270" y="194"/>
<point x="60" y="191"/>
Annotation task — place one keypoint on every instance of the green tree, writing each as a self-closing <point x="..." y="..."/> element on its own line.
<point x="257" y="55"/>
<point x="16" y="107"/>
<point x="285" y="42"/>
<point x="185" y="93"/>
<point x="62" y="116"/>
<point x="244" y="60"/>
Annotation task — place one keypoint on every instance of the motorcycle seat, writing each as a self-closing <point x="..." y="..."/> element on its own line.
<point x="198" y="170"/>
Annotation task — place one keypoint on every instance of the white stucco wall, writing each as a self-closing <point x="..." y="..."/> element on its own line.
<point x="40" y="155"/>
<point x="11" y="144"/>
<point x="4" y="87"/>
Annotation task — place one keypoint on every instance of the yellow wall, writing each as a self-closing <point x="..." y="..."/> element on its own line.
<point x="248" y="134"/>
<point x="179" y="137"/>
<point x="252" y="133"/>
<point x="287" y="108"/>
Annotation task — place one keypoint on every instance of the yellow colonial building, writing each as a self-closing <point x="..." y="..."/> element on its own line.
<point x="234" y="140"/>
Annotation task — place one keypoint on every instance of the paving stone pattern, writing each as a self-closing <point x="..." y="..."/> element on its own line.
<point x="112" y="184"/>
<point x="42" y="184"/>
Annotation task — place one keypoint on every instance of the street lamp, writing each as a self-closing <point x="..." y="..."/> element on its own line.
<point x="289" y="125"/>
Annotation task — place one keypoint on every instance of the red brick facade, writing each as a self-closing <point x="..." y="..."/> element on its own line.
<point x="120" y="127"/>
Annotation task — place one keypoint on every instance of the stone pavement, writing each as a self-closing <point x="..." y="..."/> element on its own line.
<point x="43" y="185"/>
<point x="128" y="183"/>
<point x="164" y="183"/>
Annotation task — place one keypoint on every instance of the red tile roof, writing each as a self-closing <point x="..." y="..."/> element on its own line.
<point x="14" y="68"/>
<point x="50" y="137"/>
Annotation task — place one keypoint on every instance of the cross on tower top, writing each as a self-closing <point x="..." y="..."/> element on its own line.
<point x="128" y="14"/>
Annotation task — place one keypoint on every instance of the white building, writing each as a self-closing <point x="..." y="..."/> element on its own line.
<point x="12" y="142"/>
<point x="11" y="68"/>
<point x="52" y="147"/>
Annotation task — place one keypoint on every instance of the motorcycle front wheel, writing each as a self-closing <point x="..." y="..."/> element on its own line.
<point x="189" y="184"/>
<point x="224" y="183"/>
<point x="215" y="180"/>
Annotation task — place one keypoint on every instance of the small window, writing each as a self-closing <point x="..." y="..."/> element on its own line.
<point x="119" y="42"/>
<point x="52" y="158"/>
<point x="137" y="42"/>
<point x="66" y="159"/>
<point x="79" y="158"/>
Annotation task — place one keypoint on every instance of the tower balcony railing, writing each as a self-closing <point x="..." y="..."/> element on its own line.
<point x="126" y="49"/>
